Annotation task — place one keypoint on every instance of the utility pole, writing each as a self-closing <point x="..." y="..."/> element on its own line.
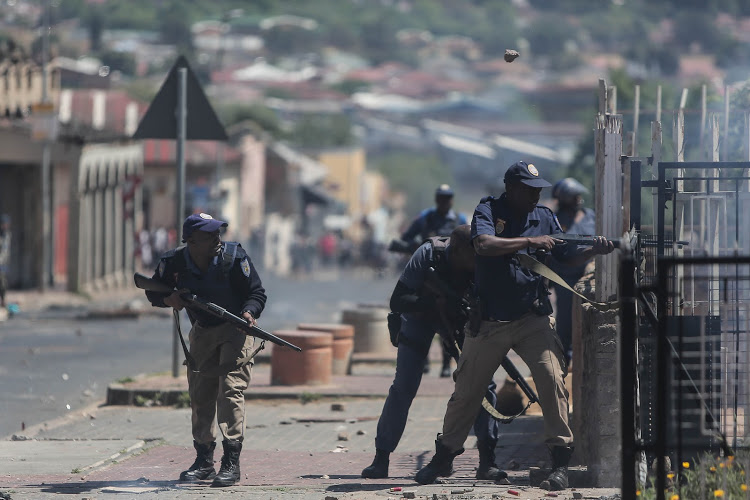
<point x="47" y="274"/>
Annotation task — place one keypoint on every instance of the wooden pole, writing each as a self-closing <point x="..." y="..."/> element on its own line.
<point x="703" y="120"/>
<point x="658" y="104"/>
<point x="612" y="97"/>
<point x="636" y="117"/>
<point x="608" y="150"/>
<point x="725" y="142"/>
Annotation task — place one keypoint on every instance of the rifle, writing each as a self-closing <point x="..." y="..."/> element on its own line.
<point x="401" y="246"/>
<point x="437" y="286"/>
<point x="145" y="283"/>
<point x="581" y="239"/>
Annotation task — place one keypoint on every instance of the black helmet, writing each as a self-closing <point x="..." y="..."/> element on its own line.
<point x="567" y="189"/>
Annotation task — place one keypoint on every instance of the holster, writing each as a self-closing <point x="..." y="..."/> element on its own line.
<point x="542" y="306"/>
<point x="394" y="327"/>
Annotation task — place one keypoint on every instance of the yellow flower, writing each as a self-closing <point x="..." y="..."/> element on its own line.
<point x="730" y="458"/>
<point x="713" y="469"/>
<point x="743" y="487"/>
<point x="685" y="465"/>
<point x="675" y="497"/>
<point x="670" y="475"/>
<point x="637" y="493"/>
<point x="718" y="493"/>
<point x="721" y="465"/>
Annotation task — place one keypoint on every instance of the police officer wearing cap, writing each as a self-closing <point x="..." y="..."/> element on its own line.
<point x="222" y="273"/>
<point x="513" y="313"/>
<point x="574" y="218"/>
<point x="439" y="220"/>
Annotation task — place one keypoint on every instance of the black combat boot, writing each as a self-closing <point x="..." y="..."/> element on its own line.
<point x="229" y="473"/>
<point x="379" y="467"/>
<point x="558" y="478"/>
<point x="487" y="467"/>
<point x="203" y="467"/>
<point x="440" y="465"/>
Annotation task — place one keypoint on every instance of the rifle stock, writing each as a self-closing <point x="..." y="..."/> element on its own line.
<point x="145" y="283"/>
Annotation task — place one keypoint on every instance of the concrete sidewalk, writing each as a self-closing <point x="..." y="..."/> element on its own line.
<point x="293" y="450"/>
<point x="300" y="442"/>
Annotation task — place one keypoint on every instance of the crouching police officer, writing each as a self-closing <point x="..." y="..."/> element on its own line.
<point x="515" y="313"/>
<point x="221" y="273"/>
<point x="452" y="259"/>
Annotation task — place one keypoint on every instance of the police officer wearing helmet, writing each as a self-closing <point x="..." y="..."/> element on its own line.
<point x="222" y="273"/>
<point x="514" y="313"/>
<point x="453" y="261"/>
<point x="439" y="220"/>
<point x="574" y="218"/>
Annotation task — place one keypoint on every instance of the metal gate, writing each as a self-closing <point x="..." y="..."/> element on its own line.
<point x="685" y="363"/>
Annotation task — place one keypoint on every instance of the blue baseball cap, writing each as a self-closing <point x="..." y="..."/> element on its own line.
<point x="525" y="173"/>
<point x="200" y="222"/>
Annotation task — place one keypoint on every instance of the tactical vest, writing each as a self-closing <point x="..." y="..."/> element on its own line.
<point x="228" y="256"/>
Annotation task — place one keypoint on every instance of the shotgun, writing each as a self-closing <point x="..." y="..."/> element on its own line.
<point x="145" y="283"/>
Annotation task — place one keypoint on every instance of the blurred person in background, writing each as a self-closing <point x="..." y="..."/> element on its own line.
<point x="439" y="220"/>
<point x="574" y="218"/>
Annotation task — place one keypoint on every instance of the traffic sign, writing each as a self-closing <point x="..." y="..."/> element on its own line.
<point x="160" y="120"/>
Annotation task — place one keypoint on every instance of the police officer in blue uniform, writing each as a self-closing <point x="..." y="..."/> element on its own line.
<point x="453" y="261"/>
<point x="439" y="220"/>
<point x="221" y="273"/>
<point x="514" y="313"/>
<point x="574" y="218"/>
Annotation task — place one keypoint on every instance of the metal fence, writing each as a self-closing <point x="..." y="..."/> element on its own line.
<point x="685" y="362"/>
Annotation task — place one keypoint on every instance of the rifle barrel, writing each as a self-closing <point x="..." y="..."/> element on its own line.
<point x="581" y="239"/>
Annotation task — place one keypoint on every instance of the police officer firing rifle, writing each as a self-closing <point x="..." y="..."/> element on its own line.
<point x="513" y="312"/>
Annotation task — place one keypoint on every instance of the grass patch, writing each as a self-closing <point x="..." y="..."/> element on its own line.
<point x="309" y="397"/>
<point x="125" y="380"/>
<point x="183" y="400"/>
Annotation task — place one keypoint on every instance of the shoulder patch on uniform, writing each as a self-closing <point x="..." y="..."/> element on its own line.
<point x="499" y="226"/>
<point x="160" y="269"/>
<point x="245" y="266"/>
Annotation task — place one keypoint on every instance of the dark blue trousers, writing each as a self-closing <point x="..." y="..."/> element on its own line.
<point x="409" y="364"/>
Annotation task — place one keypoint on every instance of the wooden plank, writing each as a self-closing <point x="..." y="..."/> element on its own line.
<point x="602" y="96"/>
<point x="608" y="149"/>
<point x="703" y="119"/>
<point x="636" y="118"/>
<point x="658" y="103"/>
<point x="725" y="148"/>
<point x="612" y="98"/>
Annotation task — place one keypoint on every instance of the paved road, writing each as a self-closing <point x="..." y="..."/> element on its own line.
<point x="52" y="362"/>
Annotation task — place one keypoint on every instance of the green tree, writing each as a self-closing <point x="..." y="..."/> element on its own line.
<point x="263" y="116"/>
<point x="415" y="174"/>
<point x="95" y="24"/>
<point x="174" y="26"/>
<point x="314" y="131"/>
<point x="119" y="61"/>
